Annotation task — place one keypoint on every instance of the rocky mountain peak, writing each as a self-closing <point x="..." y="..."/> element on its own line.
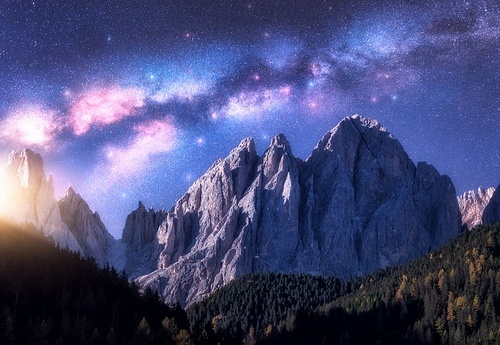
<point x="141" y="206"/>
<point x="354" y="126"/>
<point x="30" y="197"/>
<point x="281" y="142"/>
<point x="491" y="212"/>
<point x="364" y="123"/>
<point x="358" y="203"/>
<point x="27" y="167"/>
<point x="139" y="237"/>
<point x="472" y="205"/>
<point x="246" y="145"/>
<point x="141" y="226"/>
<point x="69" y="221"/>
<point x="277" y="157"/>
<point x="86" y="226"/>
<point x="70" y="193"/>
<point x="357" y="140"/>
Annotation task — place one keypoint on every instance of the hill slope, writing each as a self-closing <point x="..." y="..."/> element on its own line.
<point x="52" y="295"/>
<point x="449" y="296"/>
<point x="357" y="204"/>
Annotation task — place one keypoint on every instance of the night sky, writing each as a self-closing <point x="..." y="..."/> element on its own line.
<point x="134" y="100"/>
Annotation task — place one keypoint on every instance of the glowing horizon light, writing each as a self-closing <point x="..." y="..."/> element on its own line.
<point x="13" y="207"/>
<point x="3" y="195"/>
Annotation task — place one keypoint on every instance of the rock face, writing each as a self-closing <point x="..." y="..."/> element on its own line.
<point x="358" y="203"/>
<point x="491" y="212"/>
<point x="472" y="205"/>
<point x="139" y="238"/>
<point x="86" y="226"/>
<point x="28" y="197"/>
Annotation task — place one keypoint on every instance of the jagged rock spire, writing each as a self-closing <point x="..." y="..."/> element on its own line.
<point x="358" y="203"/>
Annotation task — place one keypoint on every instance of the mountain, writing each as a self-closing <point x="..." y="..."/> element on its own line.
<point x="358" y="203"/>
<point x="29" y="199"/>
<point x="449" y="296"/>
<point x="49" y="295"/>
<point x="86" y="226"/>
<point x="491" y="212"/>
<point x="139" y="239"/>
<point x="472" y="205"/>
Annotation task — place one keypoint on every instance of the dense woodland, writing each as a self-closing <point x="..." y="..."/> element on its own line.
<point x="451" y="296"/>
<point x="53" y="296"/>
<point x="260" y="304"/>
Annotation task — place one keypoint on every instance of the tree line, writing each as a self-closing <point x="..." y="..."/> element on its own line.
<point x="449" y="296"/>
<point x="50" y="295"/>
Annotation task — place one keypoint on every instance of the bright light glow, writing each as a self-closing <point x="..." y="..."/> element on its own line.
<point x="13" y="196"/>
<point x="30" y="126"/>
<point x="3" y="196"/>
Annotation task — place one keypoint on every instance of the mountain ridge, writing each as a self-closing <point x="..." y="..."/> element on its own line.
<point x="472" y="205"/>
<point x="336" y="213"/>
<point x="356" y="204"/>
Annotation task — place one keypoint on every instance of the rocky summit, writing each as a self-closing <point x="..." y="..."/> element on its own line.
<point x="139" y="240"/>
<point x="356" y="204"/>
<point x="472" y="205"/>
<point x="491" y="212"/>
<point x="86" y="226"/>
<point x="29" y="200"/>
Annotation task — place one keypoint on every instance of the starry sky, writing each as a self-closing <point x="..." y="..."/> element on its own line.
<point x="134" y="100"/>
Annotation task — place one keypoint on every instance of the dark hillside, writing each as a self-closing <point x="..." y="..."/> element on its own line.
<point x="51" y="295"/>
<point x="449" y="296"/>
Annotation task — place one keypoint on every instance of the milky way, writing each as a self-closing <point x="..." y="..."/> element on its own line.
<point x="134" y="100"/>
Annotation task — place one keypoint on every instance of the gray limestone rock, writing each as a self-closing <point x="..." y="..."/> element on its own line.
<point x="472" y="205"/>
<point x="139" y="239"/>
<point x="86" y="226"/>
<point x="491" y="212"/>
<point x="358" y="203"/>
<point x="28" y="197"/>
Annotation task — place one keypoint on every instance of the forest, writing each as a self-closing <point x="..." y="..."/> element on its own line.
<point x="49" y="295"/>
<point x="449" y="296"/>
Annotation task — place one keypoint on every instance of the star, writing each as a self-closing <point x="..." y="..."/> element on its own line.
<point x="121" y="99"/>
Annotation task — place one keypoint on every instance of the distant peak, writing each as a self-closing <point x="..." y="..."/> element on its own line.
<point x="26" y="154"/>
<point x="247" y="143"/>
<point x="27" y="166"/>
<point x="360" y="121"/>
<point x="70" y="191"/>
<point x="280" y="141"/>
<point x="483" y="191"/>
<point x="141" y="205"/>
<point x="480" y="192"/>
